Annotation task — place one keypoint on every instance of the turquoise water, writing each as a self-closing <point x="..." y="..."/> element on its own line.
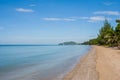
<point x="38" y="62"/>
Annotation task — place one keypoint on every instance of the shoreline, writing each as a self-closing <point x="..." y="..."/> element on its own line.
<point x="100" y="63"/>
<point x="84" y="68"/>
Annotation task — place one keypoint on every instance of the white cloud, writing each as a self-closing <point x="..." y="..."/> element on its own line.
<point x="24" y="10"/>
<point x="32" y="5"/>
<point x="89" y="19"/>
<point x="116" y="13"/>
<point x="97" y="18"/>
<point x="51" y="19"/>
<point x="69" y="19"/>
<point x="59" y="19"/>
<point x="94" y="18"/>
<point x="108" y="3"/>
<point x="79" y="17"/>
<point x="84" y="17"/>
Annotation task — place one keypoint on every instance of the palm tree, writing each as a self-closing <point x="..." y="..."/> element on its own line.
<point x="117" y="32"/>
<point x="117" y="21"/>
<point x="111" y="38"/>
<point x="105" y="34"/>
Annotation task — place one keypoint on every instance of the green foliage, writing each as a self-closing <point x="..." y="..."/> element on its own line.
<point x="117" y="32"/>
<point x="104" y="33"/>
<point x="107" y="36"/>
<point x="91" y="42"/>
<point x="118" y="21"/>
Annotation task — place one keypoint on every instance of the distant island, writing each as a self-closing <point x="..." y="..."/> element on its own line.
<point x="69" y="43"/>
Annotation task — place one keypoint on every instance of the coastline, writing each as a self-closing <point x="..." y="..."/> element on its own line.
<point x="85" y="69"/>
<point x="100" y="63"/>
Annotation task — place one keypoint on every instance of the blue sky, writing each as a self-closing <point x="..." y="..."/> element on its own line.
<point x="54" y="21"/>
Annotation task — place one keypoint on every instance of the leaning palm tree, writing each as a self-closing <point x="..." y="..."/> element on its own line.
<point x="111" y="38"/>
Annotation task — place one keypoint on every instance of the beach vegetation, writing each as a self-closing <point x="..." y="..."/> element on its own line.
<point x="117" y="32"/>
<point x="108" y="36"/>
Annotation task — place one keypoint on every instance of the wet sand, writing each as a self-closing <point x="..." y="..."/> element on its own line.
<point x="99" y="64"/>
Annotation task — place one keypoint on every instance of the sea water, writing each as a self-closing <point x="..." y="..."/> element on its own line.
<point x="40" y="62"/>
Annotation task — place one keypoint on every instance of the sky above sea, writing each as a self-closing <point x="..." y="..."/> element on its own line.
<point x="54" y="21"/>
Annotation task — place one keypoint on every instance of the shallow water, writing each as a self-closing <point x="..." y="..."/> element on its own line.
<point x="38" y="62"/>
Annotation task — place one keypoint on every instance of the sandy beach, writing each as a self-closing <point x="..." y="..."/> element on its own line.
<point x="99" y="64"/>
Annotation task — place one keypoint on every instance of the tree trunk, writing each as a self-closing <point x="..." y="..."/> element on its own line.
<point x="118" y="46"/>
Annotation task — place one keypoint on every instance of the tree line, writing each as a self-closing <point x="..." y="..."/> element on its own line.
<point x="108" y="36"/>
